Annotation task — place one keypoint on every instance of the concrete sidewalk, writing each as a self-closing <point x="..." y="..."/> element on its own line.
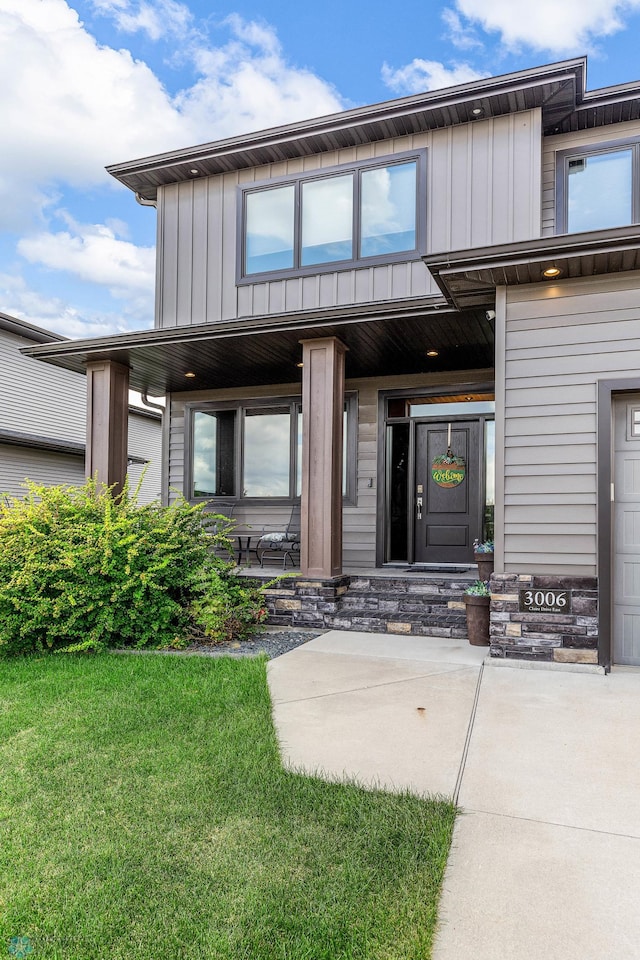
<point x="545" y="861"/>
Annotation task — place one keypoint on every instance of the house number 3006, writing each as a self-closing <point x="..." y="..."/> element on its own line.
<point x="545" y="601"/>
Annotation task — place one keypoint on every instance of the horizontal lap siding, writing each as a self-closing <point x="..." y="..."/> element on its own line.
<point x="42" y="466"/>
<point x="560" y="340"/>
<point x="38" y="398"/>
<point x="359" y="519"/>
<point x="579" y="140"/>
<point x="45" y="401"/>
<point x="483" y="187"/>
<point x="145" y="440"/>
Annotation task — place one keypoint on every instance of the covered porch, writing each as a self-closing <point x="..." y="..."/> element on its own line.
<point x="376" y="361"/>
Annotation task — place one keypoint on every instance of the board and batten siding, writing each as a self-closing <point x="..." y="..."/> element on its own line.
<point x="560" y="340"/>
<point x="579" y="140"/>
<point x="483" y="187"/>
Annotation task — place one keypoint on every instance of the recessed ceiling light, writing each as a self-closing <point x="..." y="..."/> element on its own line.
<point x="551" y="271"/>
<point x="193" y="170"/>
<point x="432" y="353"/>
<point x="477" y="112"/>
<point x="300" y="365"/>
<point x="190" y="374"/>
<point x="468" y="399"/>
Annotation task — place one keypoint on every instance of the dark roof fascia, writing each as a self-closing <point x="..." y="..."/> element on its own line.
<point x="248" y="150"/>
<point x="478" y="262"/>
<point x="28" y="330"/>
<point x="99" y="347"/>
<point x="73" y="448"/>
<point x="15" y="438"/>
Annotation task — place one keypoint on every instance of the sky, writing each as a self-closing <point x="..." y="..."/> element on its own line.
<point x="87" y="83"/>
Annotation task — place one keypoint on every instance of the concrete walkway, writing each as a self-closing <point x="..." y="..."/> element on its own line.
<point x="545" y="765"/>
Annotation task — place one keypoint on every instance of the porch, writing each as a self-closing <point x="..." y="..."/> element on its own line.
<point x="373" y="600"/>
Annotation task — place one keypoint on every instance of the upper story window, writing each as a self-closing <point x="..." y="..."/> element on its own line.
<point x="352" y="215"/>
<point x="598" y="187"/>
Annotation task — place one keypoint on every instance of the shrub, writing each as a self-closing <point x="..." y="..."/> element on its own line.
<point x="81" y="569"/>
<point x="228" y="606"/>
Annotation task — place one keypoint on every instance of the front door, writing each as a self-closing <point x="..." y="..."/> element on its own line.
<point x="626" y="530"/>
<point x="448" y="502"/>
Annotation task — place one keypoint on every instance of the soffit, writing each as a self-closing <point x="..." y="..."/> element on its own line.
<point x="555" y="88"/>
<point x="468" y="278"/>
<point x="248" y="353"/>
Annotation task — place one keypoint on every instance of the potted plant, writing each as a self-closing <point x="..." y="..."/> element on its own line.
<point x="477" y="598"/>
<point x="483" y="556"/>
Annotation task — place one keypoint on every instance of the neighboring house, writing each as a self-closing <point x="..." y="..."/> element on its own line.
<point x="43" y="412"/>
<point x="453" y="271"/>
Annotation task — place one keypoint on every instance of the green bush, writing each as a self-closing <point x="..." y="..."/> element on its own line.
<point x="81" y="569"/>
<point x="228" y="607"/>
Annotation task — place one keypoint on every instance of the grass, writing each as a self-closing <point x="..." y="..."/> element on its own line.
<point x="144" y="814"/>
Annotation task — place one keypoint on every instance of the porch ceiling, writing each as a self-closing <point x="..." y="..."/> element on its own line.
<point x="252" y="352"/>
<point x="468" y="278"/>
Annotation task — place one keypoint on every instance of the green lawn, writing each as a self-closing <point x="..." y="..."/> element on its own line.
<point x="144" y="814"/>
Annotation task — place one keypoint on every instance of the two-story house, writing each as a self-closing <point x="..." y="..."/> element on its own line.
<point x="423" y="318"/>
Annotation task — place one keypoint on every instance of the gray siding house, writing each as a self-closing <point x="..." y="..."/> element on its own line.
<point x="422" y="318"/>
<point x="43" y="413"/>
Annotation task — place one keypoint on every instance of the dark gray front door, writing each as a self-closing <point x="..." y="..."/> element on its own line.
<point x="450" y="518"/>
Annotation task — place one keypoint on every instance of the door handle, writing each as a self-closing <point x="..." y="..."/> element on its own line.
<point x="418" y="508"/>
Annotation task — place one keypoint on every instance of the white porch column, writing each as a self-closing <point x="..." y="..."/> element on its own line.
<point x="107" y="423"/>
<point x="321" y="504"/>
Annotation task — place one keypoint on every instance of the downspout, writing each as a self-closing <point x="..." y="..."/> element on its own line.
<point x="146" y="203"/>
<point x="150" y="403"/>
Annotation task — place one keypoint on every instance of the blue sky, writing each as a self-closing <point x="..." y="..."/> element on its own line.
<point x="87" y="83"/>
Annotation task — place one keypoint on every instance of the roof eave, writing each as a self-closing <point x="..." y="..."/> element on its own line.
<point x="468" y="278"/>
<point x="146" y="174"/>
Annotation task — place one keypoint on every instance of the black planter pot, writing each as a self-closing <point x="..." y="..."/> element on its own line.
<point x="485" y="565"/>
<point x="477" y="620"/>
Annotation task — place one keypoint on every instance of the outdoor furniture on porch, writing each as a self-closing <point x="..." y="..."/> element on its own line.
<point x="282" y="544"/>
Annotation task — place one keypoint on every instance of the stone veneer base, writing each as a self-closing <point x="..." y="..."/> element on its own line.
<point x="551" y="637"/>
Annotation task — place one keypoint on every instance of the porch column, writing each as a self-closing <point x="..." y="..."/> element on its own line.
<point x="323" y="406"/>
<point x="107" y="422"/>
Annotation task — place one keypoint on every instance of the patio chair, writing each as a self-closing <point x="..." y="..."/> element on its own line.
<point x="214" y="524"/>
<point x="282" y="544"/>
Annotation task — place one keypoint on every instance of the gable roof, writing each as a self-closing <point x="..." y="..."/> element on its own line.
<point x="558" y="89"/>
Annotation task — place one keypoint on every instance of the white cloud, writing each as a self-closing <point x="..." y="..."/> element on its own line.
<point x="461" y="35"/>
<point x="561" y="26"/>
<point x="55" y="314"/>
<point x="76" y="105"/>
<point x="94" y="253"/>
<point x="422" y="75"/>
<point x="157" y="19"/>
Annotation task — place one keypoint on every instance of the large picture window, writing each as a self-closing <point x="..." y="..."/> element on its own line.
<point x="598" y="188"/>
<point x="370" y="212"/>
<point x="253" y="450"/>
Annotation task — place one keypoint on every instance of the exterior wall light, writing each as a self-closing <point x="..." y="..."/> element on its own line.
<point x="551" y="271"/>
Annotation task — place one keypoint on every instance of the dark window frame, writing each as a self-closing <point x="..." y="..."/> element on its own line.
<point x="325" y="173"/>
<point x="264" y="404"/>
<point x="563" y="157"/>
